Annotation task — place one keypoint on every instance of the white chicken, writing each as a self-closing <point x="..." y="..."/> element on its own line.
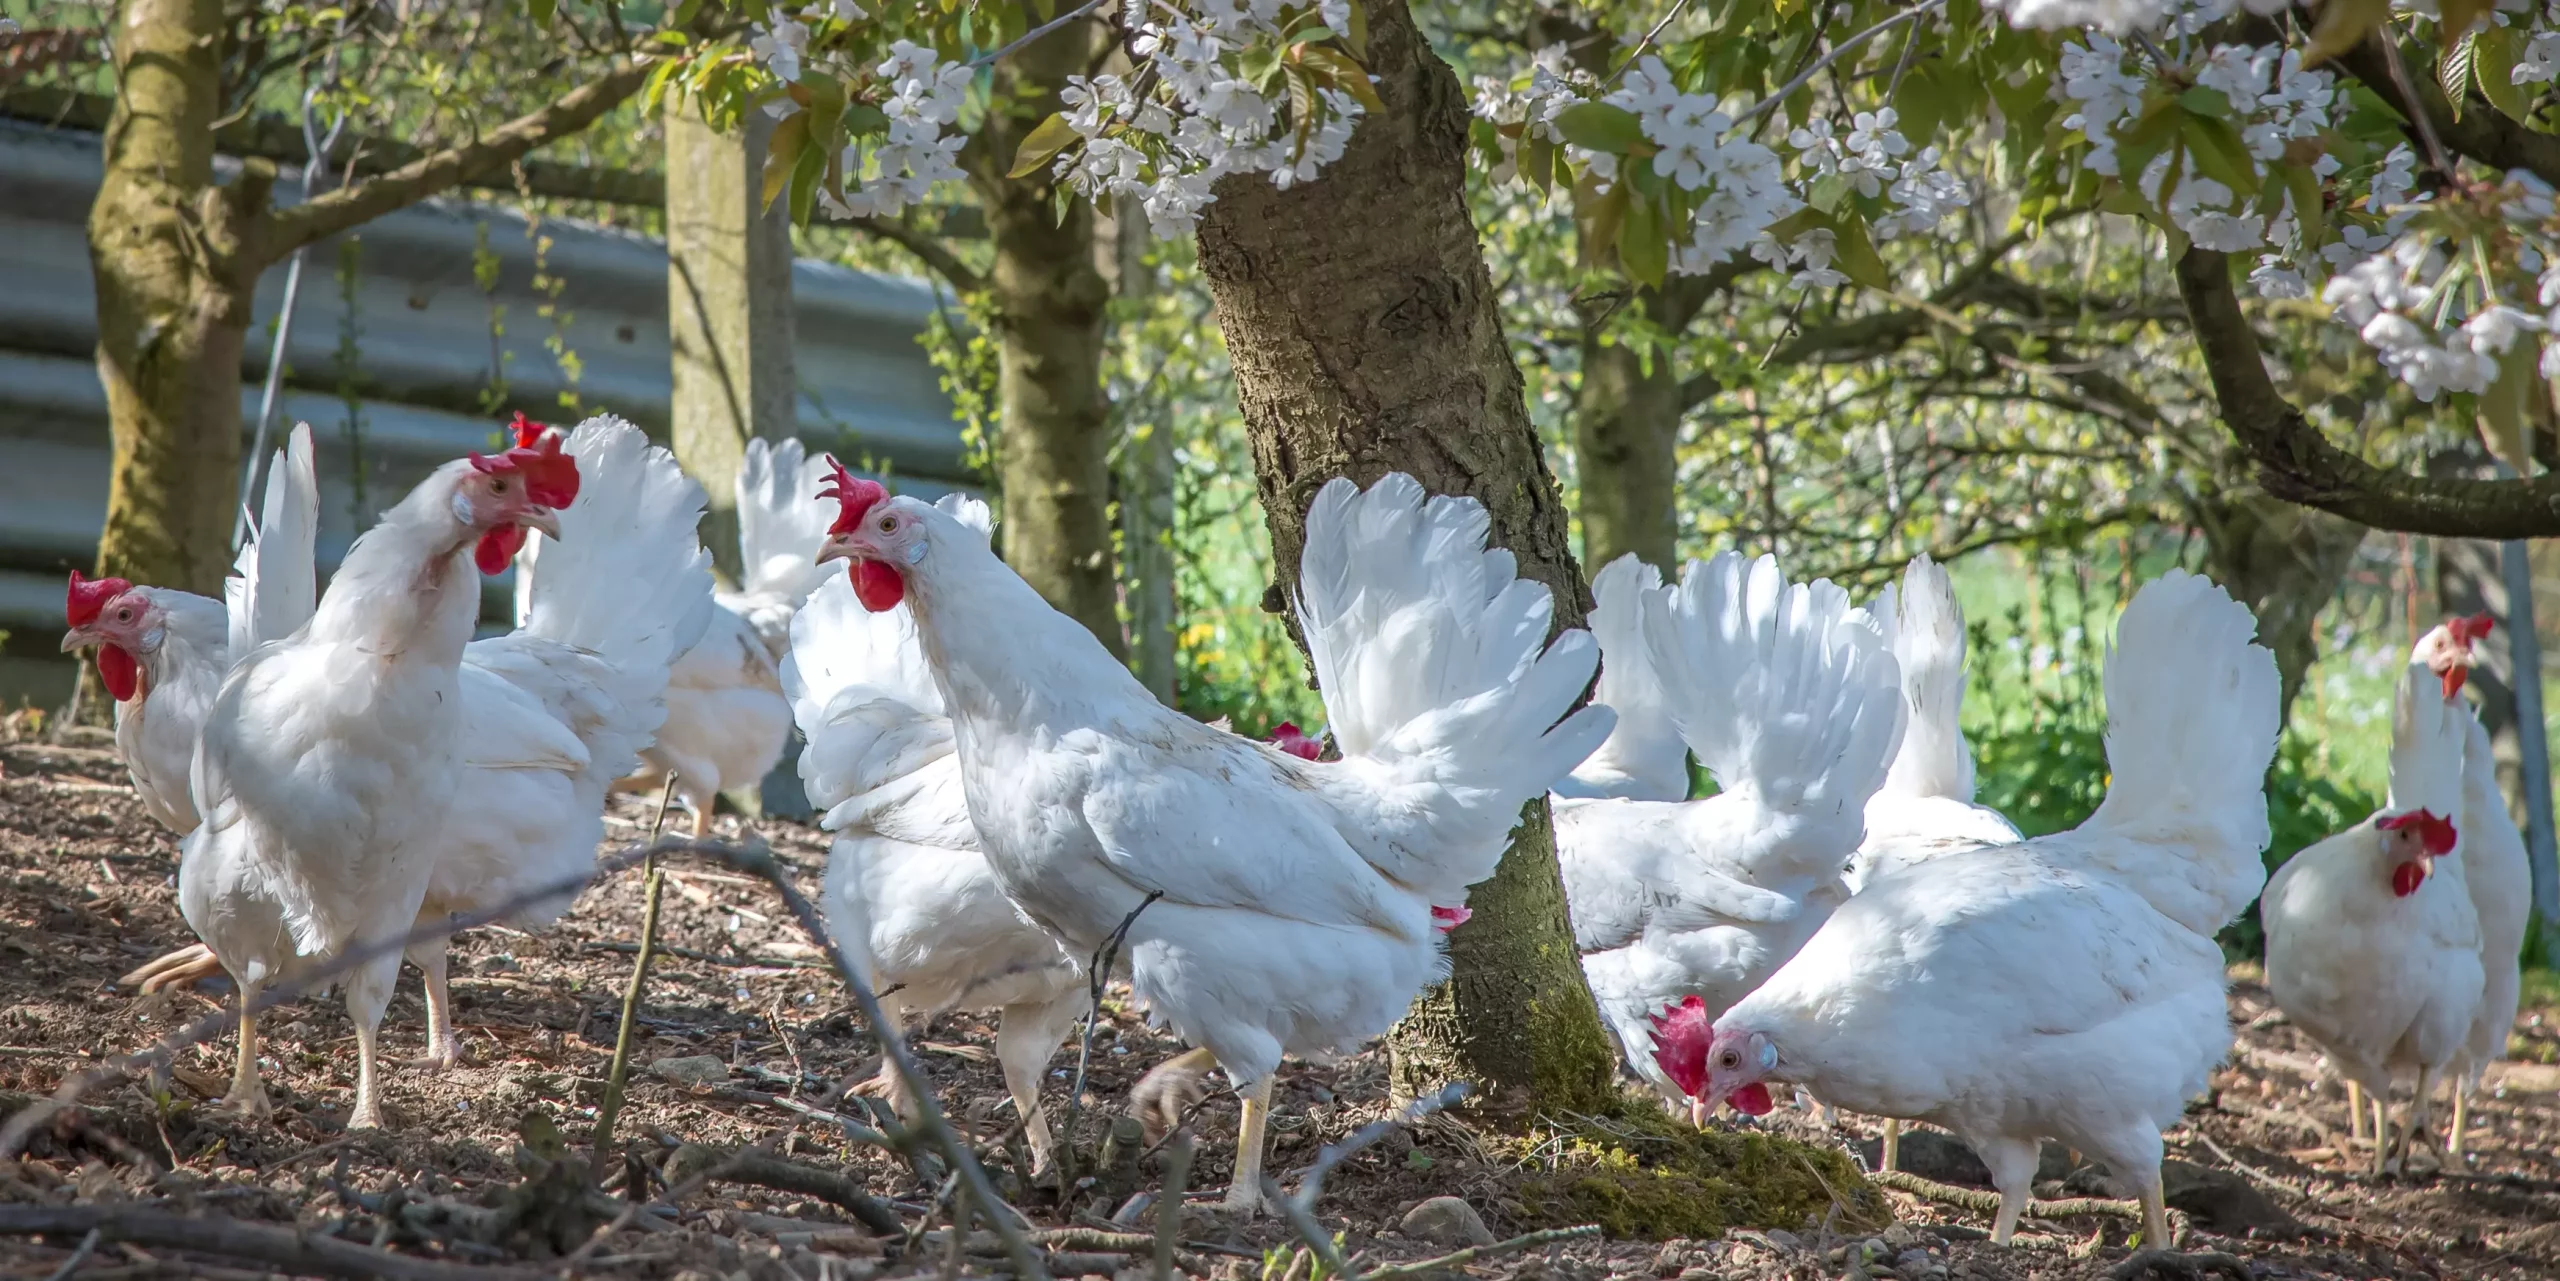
<point x="2067" y="986"/>
<point x="727" y="717"/>
<point x="162" y="652"/>
<point x="1297" y="896"/>
<point x="2494" y="868"/>
<point x="2373" y="947"/>
<point x="1644" y="759"/>
<point x="1925" y="807"/>
<point x="908" y="890"/>
<point x="335" y="765"/>
<point x="1789" y="697"/>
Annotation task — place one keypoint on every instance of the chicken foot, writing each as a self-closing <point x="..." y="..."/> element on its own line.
<point x="444" y="1041"/>
<point x="1244" y="1192"/>
<point x="2355" y="1112"/>
<point x="182" y="968"/>
<point x="247" y="1096"/>
<point x="1169" y="1091"/>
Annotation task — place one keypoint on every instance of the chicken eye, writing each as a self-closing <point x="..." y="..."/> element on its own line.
<point x="125" y="615"/>
<point x="497" y="484"/>
<point x="1731" y="1059"/>
<point x="888" y="524"/>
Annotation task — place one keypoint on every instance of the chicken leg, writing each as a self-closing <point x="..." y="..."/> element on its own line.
<point x="247" y="1096"/>
<point x="1244" y="1191"/>
<point x="182" y="968"/>
<point x="444" y="1042"/>
<point x="368" y="996"/>
<point x="2461" y="1119"/>
<point x="2355" y="1112"/>
<point x="2013" y="1171"/>
<point x="1027" y="1036"/>
<point x="1892" y="1155"/>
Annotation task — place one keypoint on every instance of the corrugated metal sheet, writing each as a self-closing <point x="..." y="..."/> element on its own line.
<point x="428" y="344"/>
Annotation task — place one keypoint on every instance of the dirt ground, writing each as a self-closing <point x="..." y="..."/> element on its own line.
<point x="87" y="891"/>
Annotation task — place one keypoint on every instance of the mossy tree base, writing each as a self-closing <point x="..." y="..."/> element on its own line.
<point x="1645" y="1175"/>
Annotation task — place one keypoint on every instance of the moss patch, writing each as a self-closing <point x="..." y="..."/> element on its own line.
<point x="1643" y="1175"/>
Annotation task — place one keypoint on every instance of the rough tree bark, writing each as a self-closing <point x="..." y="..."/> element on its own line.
<point x="1048" y="302"/>
<point x="1626" y="434"/>
<point x="177" y="261"/>
<point x="2285" y="563"/>
<point x="1367" y="338"/>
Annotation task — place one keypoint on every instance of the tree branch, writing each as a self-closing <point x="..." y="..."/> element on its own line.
<point x="928" y="250"/>
<point x="286" y="230"/>
<point x="2296" y="463"/>
<point x="2484" y="133"/>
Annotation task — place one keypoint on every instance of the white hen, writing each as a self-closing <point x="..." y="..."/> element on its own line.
<point x="1789" y="697"/>
<point x="1925" y="807"/>
<point x="1297" y="896"/>
<point x="162" y="652"/>
<point x="727" y="716"/>
<point x="908" y="891"/>
<point x="2067" y="986"/>
<point x="2373" y="944"/>
<point x="2494" y="868"/>
<point x="330" y="757"/>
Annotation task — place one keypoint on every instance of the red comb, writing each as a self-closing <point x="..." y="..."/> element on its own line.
<point x="1445" y="919"/>
<point x="550" y="476"/>
<point x="1289" y="738"/>
<point x="854" y="496"/>
<point x="88" y="597"/>
<point x="2467" y="630"/>
<point x="2435" y="833"/>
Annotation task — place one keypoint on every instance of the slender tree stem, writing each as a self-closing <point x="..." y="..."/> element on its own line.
<point x="619" y="1074"/>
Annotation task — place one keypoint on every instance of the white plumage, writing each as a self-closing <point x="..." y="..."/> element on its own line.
<point x="1925" y="807"/>
<point x="2373" y="944"/>
<point x="1295" y="914"/>
<point x="1790" y="698"/>
<point x="727" y="716"/>
<point x="373" y="768"/>
<point x="909" y="892"/>
<point x="1644" y="759"/>
<point x="2067" y="986"/>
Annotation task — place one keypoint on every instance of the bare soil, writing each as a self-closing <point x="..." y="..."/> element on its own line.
<point x="87" y="892"/>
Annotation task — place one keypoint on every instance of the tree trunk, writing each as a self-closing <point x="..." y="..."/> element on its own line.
<point x="171" y="326"/>
<point x="1626" y="435"/>
<point x="1048" y="302"/>
<point x="2285" y="563"/>
<point x="1147" y="479"/>
<point x="1366" y="338"/>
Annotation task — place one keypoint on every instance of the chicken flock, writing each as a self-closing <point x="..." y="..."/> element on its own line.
<point x="1005" y="799"/>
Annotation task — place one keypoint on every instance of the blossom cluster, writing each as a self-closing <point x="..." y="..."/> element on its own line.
<point x="1740" y="186"/>
<point x="2120" y="16"/>
<point x="1197" y="119"/>
<point x="1867" y="158"/>
<point x="920" y="149"/>
<point x="2438" y="317"/>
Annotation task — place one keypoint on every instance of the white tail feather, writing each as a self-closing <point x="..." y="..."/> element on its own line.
<point x="275" y="583"/>
<point x="1432" y="659"/>
<point x="2191" y="728"/>
<point x="2428" y="737"/>
<point x="780" y="520"/>
<point x="1927" y="630"/>
<point x="1644" y="759"/>
<point x="1785" y="691"/>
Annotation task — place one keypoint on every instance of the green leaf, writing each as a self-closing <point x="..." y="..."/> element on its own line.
<point x="1827" y="191"/>
<point x="1042" y="144"/>
<point x="2220" y="154"/>
<point x="1599" y="216"/>
<point x="1302" y="111"/>
<point x="1336" y="70"/>
<point x="2493" y="72"/>
<point x="2343" y="24"/>
<point x="2305" y="186"/>
<point x="685" y="14"/>
<point x="541" y="11"/>
<point x="2206" y="102"/>
<point x="2453" y="70"/>
<point x="1644" y="247"/>
<point x="1538" y="163"/>
<point x="782" y="155"/>
<point x="1857" y="254"/>
<point x="1600" y="127"/>
<point x="804" y="183"/>
<point x="1357" y="38"/>
<point x="2506" y="408"/>
<point x="2458" y="16"/>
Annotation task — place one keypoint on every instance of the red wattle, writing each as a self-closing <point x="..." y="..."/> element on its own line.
<point x="1445" y="919"/>
<point x="122" y="675"/>
<point x="2453" y="678"/>
<point x="2407" y="877"/>
<point x="877" y="586"/>
<point x="497" y="549"/>
<point x="1751" y="1100"/>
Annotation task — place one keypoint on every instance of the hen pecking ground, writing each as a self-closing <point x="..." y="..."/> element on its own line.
<point x="744" y="1027"/>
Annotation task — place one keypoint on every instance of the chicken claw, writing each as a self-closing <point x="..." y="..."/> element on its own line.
<point x="1169" y="1091"/>
<point x="183" y="968"/>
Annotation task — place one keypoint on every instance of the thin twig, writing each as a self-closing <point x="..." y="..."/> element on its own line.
<point x="1037" y="32"/>
<point x="1457" y="1259"/>
<point x="1312" y="1232"/>
<point x="1644" y="44"/>
<point x="618" y="1076"/>
<point x="88" y="1246"/>
<point x="1311" y="1179"/>
<point x="1097" y="976"/>
<point x="2418" y="113"/>
<point x="1834" y="54"/>
<point x="284" y="1249"/>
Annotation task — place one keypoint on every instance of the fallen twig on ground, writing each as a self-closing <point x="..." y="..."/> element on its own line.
<point x="282" y="1248"/>
<point x="1989" y="1202"/>
<point x="1477" y="1253"/>
<point x="765" y="1170"/>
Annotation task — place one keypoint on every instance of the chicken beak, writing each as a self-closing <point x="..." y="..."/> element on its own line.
<point x="541" y="518"/>
<point x="1698" y="1109"/>
<point x="834" y="549"/>
<point x="78" y="638"/>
